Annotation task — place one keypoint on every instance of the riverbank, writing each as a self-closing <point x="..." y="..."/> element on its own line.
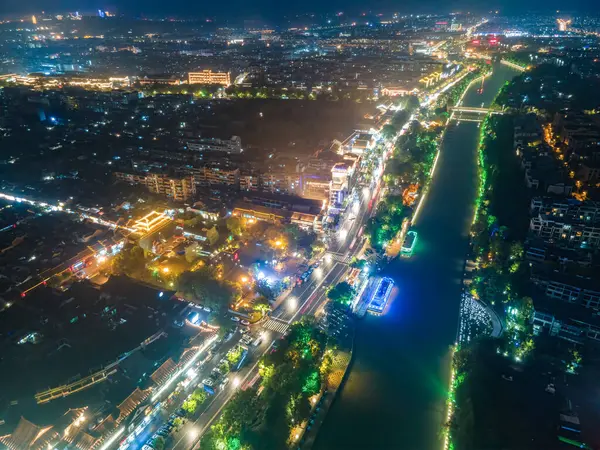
<point x="397" y="386"/>
<point x="341" y="364"/>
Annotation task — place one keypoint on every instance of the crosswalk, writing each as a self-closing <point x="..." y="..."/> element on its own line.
<point x="276" y="325"/>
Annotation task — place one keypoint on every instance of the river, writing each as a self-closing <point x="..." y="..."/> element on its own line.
<point x="394" y="396"/>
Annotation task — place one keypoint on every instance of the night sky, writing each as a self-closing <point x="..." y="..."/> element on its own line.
<point x="271" y="9"/>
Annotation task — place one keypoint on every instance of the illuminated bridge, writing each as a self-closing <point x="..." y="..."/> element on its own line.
<point x="474" y="110"/>
<point x="471" y="113"/>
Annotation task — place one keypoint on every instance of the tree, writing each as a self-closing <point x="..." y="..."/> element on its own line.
<point x="190" y="406"/>
<point x="212" y="235"/>
<point x="235" y="225"/>
<point x="129" y="261"/>
<point x="388" y="132"/>
<point x="341" y="293"/>
<point x="197" y="398"/>
<point x="177" y="423"/>
<point x="233" y="357"/>
<point x="225" y="367"/>
<point x="159" y="443"/>
<point x="191" y="252"/>
<point x="264" y="290"/>
<point x="201" y="287"/>
<point x="262" y="305"/>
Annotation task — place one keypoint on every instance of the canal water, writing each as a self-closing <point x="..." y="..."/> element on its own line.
<point x="394" y="396"/>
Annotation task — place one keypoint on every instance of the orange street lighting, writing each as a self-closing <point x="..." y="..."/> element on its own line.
<point x="165" y="270"/>
<point x="244" y="279"/>
<point x="278" y="243"/>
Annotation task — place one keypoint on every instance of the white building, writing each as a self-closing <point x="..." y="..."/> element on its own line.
<point x="338" y="187"/>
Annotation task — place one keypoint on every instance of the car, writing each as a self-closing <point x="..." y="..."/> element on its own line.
<point x="147" y="447"/>
<point x="235" y="318"/>
<point x="229" y="335"/>
<point x="207" y="382"/>
<point x="244" y="330"/>
<point x="246" y="340"/>
<point x="224" y="383"/>
<point x="207" y="309"/>
<point x="244" y="322"/>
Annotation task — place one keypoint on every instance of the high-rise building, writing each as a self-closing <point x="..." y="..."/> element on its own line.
<point x="338" y="187"/>
<point x="209" y="77"/>
<point x="34" y="20"/>
<point x="563" y="24"/>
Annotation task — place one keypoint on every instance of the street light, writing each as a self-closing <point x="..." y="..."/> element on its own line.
<point x="292" y="303"/>
<point x="244" y="279"/>
<point x="165" y="270"/>
<point x="193" y="434"/>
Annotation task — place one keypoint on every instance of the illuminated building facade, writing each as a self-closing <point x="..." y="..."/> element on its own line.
<point x="177" y="189"/>
<point x="563" y="24"/>
<point x="209" y="77"/>
<point x="339" y="185"/>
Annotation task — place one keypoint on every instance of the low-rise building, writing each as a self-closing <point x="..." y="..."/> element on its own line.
<point x="282" y="183"/>
<point x="178" y="189"/>
<point x="316" y="187"/>
<point x="233" y="145"/>
<point x="211" y="175"/>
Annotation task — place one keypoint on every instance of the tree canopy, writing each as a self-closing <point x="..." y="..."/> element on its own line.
<point x="341" y="293"/>
<point x="201" y="287"/>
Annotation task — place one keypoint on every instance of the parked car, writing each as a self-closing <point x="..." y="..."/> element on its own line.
<point x="235" y="318"/>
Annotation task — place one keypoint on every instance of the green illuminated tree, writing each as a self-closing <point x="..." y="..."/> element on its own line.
<point x="341" y="293"/>
<point x="262" y="305"/>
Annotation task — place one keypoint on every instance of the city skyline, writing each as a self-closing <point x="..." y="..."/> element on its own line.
<point x="273" y="10"/>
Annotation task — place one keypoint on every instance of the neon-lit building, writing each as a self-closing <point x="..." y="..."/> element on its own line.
<point x="338" y="187"/>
